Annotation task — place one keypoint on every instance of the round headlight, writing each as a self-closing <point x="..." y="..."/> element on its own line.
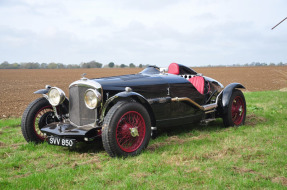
<point x="56" y="96"/>
<point x="92" y="98"/>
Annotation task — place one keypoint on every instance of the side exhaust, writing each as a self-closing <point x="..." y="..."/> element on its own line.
<point x="205" y="108"/>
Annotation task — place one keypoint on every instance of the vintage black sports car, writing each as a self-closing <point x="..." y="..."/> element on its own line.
<point x="124" y="110"/>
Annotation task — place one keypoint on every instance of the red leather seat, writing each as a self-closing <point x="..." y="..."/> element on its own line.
<point x="198" y="83"/>
<point x="173" y="68"/>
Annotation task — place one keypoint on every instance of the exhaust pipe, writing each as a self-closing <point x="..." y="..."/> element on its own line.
<point x="204" y="108"/>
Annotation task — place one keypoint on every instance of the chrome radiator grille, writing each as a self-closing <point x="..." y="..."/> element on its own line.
<point x="79" y="113"/>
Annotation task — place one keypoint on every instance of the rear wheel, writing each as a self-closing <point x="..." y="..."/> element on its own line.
<point x="126" y="129"/>
<point x="38" y="114"/>
<point x="236" y="110"/>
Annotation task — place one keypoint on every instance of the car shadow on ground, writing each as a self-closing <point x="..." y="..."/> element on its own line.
<point x="172" y="133"/>
<point x="97" y="146"/>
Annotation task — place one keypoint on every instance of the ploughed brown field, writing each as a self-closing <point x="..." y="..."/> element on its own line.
<point x="17" y="86"/>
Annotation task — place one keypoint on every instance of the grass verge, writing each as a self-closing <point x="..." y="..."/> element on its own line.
<point x="186" y="157"/>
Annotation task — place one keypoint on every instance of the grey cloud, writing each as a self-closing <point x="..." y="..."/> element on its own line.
<point x="24" y="45"/>
<point x="11" y="3"/>
<point x="100" y="22"/>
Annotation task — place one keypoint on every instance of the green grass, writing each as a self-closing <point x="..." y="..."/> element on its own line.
<point x="185" y="157"/>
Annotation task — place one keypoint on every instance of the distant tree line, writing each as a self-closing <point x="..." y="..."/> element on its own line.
<point x="252" y="64"/>
<point x="91" y="64"/>
<point x="33" y="65"/>
<point x="95" y="64"/>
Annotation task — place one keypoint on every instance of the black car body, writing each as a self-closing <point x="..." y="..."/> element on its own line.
<point x="125" y="109"/>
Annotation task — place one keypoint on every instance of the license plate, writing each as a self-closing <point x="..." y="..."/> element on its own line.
<point x="61" y="141"/>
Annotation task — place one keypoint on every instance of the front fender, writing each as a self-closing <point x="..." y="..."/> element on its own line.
<point x="227" y="92"/>
<point x="122" y="96"/>
<point x="134" y="95"/>
<point x="43" y="91"/>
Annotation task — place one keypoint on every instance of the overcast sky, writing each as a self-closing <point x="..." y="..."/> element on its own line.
<point x="190" y="32"/>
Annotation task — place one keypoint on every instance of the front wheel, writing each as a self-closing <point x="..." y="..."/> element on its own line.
<point x="38" y="114"/>
<point x="126" y="129"/>
<point x="236" y="110"/>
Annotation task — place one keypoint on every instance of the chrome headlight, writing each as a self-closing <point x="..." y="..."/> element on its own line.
<point x="56" y="96"/>
<point x="92" y="98"/>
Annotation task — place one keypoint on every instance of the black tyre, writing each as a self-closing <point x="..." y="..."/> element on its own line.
<point x="236" y="110"/>
<point x="126" y="129"/>
<point x="38" y="114"/>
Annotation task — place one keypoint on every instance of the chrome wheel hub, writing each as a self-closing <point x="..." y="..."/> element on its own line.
<point x="240" y="110"/>
<point x="134" y="132"/>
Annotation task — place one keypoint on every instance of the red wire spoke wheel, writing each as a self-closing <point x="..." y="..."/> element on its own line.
<point x="38" y="114"/>
<point x="236" y="110"/>
<point x="43" y="117"/>
<point x="130" y="131"/>
<point x="126" y="129"/>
